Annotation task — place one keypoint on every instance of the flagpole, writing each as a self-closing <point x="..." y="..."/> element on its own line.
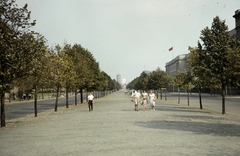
<point x="171" y="49"/>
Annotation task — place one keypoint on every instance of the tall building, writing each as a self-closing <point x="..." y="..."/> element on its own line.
<point x="119" y="79"/>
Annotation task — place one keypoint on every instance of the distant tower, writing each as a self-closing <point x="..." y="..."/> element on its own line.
<point x="237" y="21"/>
<point x="119" y="79"/>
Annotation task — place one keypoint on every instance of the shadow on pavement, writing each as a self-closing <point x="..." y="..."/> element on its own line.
<point x="205" y="128"/>
<point x="191" y="120"/>
<point x="179" y="109"/>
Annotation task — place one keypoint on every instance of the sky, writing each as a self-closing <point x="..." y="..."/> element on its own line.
<point x="127" y="37"/>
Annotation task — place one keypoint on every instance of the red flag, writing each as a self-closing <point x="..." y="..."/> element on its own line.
<point x="170" y="49"/>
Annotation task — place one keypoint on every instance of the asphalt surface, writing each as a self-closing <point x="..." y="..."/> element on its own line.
<point x="17" y="109"/>
<point x="214" y="102"/>
<point x="114" y="128"/>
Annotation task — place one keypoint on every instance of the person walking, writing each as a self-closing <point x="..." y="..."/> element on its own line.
<point x="136" y="99"/>
<point x="145" y="100"/>
<point x="90" y="101"/>
<point x="152" y="99"/>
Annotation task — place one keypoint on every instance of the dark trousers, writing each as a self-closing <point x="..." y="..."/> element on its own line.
<point x="90" y="105"/>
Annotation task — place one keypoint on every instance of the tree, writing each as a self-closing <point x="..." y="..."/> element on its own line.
<point x="202" y="76"/>
<point x="133" y="84"/>
<point x="234" y="63"/>
<point x="158" y="79"/>
<point x="14" y="23"/>
<point x="216" y="44"/>
<point x="58" y="69"/>
<point x="80" y="68"/>
<point x="36" y="44"/>
<point x="179" y="81"/>
<point x="69" y="71"/>
<point x="143" y="81"/>
<point x="188" y="82"/>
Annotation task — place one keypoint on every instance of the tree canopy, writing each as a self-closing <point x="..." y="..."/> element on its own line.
<point x="212" y="59"/>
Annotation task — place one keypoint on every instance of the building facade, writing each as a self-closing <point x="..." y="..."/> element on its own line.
<point x="236" y="32"/>
<point x="178" y="64"/>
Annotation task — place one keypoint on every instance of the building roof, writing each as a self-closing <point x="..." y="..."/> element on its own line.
<point x="237" y="13"/>
<point x="179" y="57"/>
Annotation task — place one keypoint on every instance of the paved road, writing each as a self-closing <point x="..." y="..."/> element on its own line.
<point x="214" y="102"/>
<point x="17" y="109"/>
<point x="114" y="128"/>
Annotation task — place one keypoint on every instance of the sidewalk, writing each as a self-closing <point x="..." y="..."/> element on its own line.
<point x="114" y="128"/>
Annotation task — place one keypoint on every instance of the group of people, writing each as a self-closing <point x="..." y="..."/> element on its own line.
<point x="143" y="99"/>
<point x="137" y="97"/>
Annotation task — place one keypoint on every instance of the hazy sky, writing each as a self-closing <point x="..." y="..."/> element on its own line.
<point x="128" y="36"/>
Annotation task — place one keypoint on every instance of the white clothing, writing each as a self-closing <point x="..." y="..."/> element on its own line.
<point x="145" y="95"/>
<point x="136" y="94"/>
<point x="90" y="97"/>
<point x="151" y="99"/>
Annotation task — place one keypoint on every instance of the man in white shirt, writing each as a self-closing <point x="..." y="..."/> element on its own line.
<point x="136" y="98"/>
<point x="90" y="101"/>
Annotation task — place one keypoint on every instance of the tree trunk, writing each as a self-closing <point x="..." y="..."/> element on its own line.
<point x="81" y="94"/>
<point x="67" y="89"/>
<point x="86" y="95"/>
<point x="223" y="99"/>
<point x="230" y="89"/>
<point x="200" y="98"/>
<point x="188" y="96"/>
<point x="42" y="94"/>
<point x="178" y="94"/>
<point x="161" y="94"/>
<point x="76" y="97"/>
<point x="35" y="101"/>
<point x="165" y="95"/>
<point x="3" y="122"/>
<point x="56" y="103"/>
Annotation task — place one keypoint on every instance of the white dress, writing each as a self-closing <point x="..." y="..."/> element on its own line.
<point x="151" y="97"/>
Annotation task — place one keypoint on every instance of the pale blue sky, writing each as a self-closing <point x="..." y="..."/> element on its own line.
<point x="129" y="36"/>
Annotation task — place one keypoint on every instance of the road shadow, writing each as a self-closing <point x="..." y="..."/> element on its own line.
<point x="193" y="120"/>
<point x="216" y="129"/>
<point x="179" y="109"/>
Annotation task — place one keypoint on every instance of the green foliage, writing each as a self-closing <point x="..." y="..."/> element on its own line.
<point x="143" y="81"/>
<point x="216" y="43"/>
<point x="158" y="79"/>
<point x="215" y="61"/>
<point x="15" y="52"/>
<point x="234" y="64"/>
<point x="155" y="80"/>
<point x="179" y="80"/>
<point x="210" y="61"/>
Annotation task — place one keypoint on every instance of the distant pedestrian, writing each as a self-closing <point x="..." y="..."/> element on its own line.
<point x="145" y="100"/>
<point x="152" y="99"/>
<point x="90" y="101"/>
<point x="24" y="96"/>
<point x="136" y="97"/>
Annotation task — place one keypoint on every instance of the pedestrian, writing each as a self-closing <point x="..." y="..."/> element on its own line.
<point x="152" y="99"/>
<point x="136" y="98"/>
<point x="24" y="96"/>
<point x="145" y="100"/>
<point x="90" y="100"/>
